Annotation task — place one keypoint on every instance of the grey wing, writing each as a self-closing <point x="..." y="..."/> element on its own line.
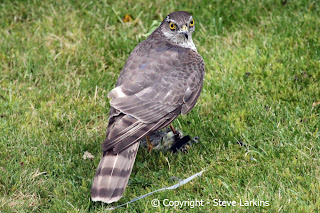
<point x="152" y="90"/>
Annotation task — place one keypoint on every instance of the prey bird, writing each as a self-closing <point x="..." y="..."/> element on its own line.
<point x="161" y="79"/>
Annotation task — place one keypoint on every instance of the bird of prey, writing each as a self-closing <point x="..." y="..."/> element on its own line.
<point x="161" y="79"/>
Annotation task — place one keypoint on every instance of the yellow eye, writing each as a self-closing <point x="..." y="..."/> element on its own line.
<point x="191" y="23"/>
<point x="172" y="26"/>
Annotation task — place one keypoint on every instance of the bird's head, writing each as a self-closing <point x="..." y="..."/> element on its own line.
<point x="178" y="28"/>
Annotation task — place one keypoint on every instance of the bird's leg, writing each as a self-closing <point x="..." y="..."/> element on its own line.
<point x="173" y="129"/>
<point x="149" y="144"/>
<point x="175" y="133"/>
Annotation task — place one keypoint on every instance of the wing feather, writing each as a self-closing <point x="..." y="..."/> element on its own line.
<point x="177" y="83"/>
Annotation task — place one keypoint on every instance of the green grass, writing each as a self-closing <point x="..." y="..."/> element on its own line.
<point x="59" y="60"/>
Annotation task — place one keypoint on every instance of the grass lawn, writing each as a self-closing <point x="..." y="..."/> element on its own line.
<point x="59" y="60"/>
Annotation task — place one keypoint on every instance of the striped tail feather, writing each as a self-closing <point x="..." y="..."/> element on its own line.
<point x="113" y="174"/>
<point x="120" y="149"/>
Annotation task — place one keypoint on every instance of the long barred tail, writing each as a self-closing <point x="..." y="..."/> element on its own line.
<point x="113" y="174"/>
<point x="119" y="153"/>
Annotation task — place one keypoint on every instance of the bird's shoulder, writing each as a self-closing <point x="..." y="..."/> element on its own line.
<point x="155" y="57"/>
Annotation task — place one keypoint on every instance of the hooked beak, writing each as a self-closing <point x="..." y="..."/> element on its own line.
<point x="184" y="31"/>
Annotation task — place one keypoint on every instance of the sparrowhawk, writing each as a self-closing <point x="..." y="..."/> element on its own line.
<point x="161" y="79"/>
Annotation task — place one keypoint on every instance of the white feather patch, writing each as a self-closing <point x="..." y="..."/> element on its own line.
<point x="116" y="93"/>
